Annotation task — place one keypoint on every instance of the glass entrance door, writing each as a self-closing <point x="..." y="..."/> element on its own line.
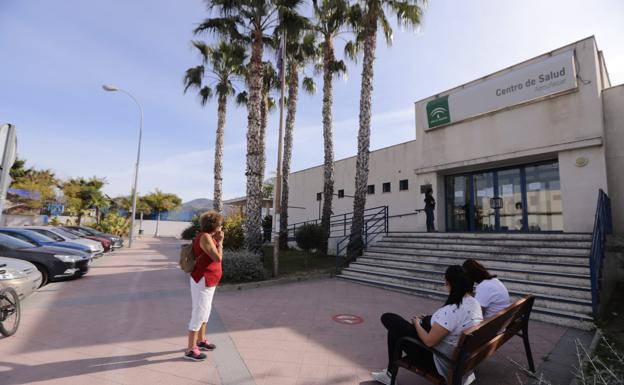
<point x="524" y="198"/>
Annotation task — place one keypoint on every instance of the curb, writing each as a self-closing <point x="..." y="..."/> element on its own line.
<point x="592" y="348"/>
<point x="273" y="282"/>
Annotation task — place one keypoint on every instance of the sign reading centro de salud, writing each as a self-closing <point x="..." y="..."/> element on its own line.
<point x="549" y="76"/>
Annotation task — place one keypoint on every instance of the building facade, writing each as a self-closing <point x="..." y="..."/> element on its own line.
<point x="524" y="149"/>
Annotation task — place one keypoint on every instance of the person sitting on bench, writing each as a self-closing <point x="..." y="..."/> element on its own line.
<point x="489" y="291"/>
<point x="460" y="311"/>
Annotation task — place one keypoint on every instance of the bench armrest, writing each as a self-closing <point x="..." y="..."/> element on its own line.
<point x="403" y="341"/>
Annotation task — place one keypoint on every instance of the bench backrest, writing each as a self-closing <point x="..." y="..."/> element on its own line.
<point x="481" y="341"/>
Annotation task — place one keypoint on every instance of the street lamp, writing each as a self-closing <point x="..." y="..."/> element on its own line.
<point x="111" y="88"/>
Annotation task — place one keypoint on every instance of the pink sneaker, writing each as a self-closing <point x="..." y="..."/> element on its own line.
<point x="195" y="355"/>
<point x="206" y="346"/>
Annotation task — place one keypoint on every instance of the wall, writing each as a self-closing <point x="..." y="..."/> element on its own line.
<point x="390" y="164"/>
<point x="613" y="99"/>
<point x="165" y="228"/>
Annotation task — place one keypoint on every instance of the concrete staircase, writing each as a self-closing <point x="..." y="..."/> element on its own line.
<point x="553" y="267"/>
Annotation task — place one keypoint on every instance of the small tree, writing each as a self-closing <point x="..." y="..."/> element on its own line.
<point x="309" y="237"/>
<point x="160" y="201"/>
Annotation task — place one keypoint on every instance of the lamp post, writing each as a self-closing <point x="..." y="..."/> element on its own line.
<point x="110" y="88"/>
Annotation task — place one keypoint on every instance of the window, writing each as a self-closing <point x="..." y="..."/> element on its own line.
<point x="371" y="189"/>
<point x="385" y="187"/>
<point x="403" y="185"/>
<point x="340" y="193"/>
<point x="319" y="196"/>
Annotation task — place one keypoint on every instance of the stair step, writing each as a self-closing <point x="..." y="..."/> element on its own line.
<point x="577" y="280"/>
<point x="566" y="303"/>
<point x="483" y="248"/>
<point x="481" y="255"/>
<point x="489" y="242"/>
<point x="545" y="287"/>
<point x="580" y="237"/>
<point x="559" y="317"/>
<point x="490" y="262"/>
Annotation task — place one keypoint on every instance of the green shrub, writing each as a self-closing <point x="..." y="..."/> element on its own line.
<point x="190" y="232"/>
<point x="113" y="224"/>
<point x="242" y="266"/>
<point x="54" y="221"/>
<point x="234" y="236"/>
<point x="309" y="237"/>
<point x="267" y="227"/>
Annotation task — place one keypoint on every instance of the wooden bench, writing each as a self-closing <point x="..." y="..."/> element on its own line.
<point x="476" y="344"/>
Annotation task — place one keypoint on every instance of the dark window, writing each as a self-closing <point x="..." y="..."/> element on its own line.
<point x="340" y="193"/>
<point x="371" y="189"/>
<point x="385" y="187"/>
<point x="403" y="185"/>
<point x="319" y="196"/>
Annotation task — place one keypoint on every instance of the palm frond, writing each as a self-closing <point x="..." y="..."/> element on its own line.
<point x="309" y="85"/>
<point x="242" y="98"/>
<point x="193" y="78"/>
<point x="205" y="94"/>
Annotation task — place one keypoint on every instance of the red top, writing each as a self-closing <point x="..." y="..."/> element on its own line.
<point x="205" y="266"/>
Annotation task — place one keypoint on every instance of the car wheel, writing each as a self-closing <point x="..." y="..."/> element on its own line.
<point x="45" y="276"/>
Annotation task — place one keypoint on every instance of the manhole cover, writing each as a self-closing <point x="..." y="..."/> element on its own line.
<point x="348" y="319"/>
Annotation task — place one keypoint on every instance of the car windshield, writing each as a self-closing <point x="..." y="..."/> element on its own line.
<point x="91" y="231"/>
<point x="13" y="243"/>
<point x="37" y="237"/>
<point x="66" y="234"/>
<point x="49" y="234"/>
<point x="75" y="232"/>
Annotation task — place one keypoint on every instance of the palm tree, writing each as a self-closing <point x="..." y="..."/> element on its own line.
<point x="368" y="15"/>
<point x="251" y="23"/>
<point x="160" y="201"/>
<point x="331" y="16"/>
<point x="221" y="65"/>
<point x="300" y="50"/>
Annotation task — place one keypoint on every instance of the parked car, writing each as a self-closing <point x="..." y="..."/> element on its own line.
<point x="106" y="244"/>
<point x="38" y="239"/>
<point x="21" y="275"/>
<point x="117" y="241"/>
<point x="53" y="262"/>
<point x="61" y="235"/>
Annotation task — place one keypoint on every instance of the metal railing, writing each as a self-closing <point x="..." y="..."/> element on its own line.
<point x="339" y="225"/>
<point x="376" y="223"/>
<point x="602" y="226"/>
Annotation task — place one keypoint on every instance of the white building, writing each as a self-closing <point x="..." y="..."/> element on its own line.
<point x="524" y="149"/>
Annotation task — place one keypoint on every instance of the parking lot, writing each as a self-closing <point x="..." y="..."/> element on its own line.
<point x="125" y="323"/>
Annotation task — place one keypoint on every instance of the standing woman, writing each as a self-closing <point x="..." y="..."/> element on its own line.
<point x="429" y="209"/>
<point x="208" y="251"/>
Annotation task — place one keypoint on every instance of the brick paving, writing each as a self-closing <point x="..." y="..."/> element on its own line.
<point x="125" y="323"/>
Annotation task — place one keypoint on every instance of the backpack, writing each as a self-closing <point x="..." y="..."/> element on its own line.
<point x="187" y="258"/>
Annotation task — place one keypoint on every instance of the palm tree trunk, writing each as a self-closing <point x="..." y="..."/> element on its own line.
<point x="356" y="242"/>
<point x="328" y="169"/>
<point x="157" y="223"/>
<point x="291" y="112"/>
<point x="253" y="206"/>
<point x="264" y="122"/>
<point x="217" y="203"/>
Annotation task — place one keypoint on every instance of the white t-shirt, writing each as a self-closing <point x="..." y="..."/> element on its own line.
<point x="455" y="320"/>
<point x="492" y="295"/>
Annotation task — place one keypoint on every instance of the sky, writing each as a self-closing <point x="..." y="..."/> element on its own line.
<point x="55" y="56"/>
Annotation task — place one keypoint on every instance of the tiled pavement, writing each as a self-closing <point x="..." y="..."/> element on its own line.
<point x="125" y="323"/>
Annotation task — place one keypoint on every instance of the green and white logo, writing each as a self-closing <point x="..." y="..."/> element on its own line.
<point x="438" y="112"/>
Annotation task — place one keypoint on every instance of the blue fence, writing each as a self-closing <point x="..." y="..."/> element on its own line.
<point x="603" y="225"/>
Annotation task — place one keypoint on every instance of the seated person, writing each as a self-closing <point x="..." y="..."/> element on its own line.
<point x="489" y="291"/>
<point x="460" y="311"/>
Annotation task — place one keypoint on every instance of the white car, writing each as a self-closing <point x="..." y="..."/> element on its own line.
<point x="60" y="235"/>
<point x="21" y="275"/>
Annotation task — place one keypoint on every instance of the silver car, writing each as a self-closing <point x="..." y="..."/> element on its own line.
<point x="58" y="234"/>
<point x="20" y="275"/>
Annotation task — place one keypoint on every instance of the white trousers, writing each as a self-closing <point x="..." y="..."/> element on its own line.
<point x="201" y="299"/>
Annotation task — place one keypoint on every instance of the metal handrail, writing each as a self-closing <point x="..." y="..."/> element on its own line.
<point x="377" y="224"/>
<point x="341" y="221"/>
<point x="603" y="225"/>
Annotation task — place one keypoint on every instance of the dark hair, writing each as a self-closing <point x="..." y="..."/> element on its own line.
<point x="429" y="191"/>
<point x="476" y="272"/>
<point x="460" y="285"/>
<point x="209" y="221"/>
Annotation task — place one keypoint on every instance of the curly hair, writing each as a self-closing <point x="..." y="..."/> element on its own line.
<point x="209" y="221"/>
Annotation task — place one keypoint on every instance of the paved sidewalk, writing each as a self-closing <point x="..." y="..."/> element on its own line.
<point x="125" y="323"/>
